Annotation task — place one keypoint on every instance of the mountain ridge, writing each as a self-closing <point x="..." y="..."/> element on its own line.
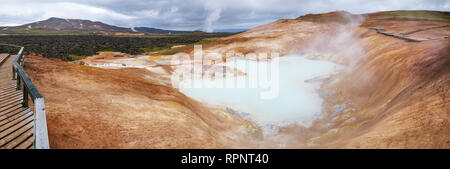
<point x="55" y="24"/>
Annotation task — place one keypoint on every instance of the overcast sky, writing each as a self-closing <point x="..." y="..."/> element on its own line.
<point x="195" y="14"/>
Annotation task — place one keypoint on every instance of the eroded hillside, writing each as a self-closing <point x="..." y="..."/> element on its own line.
<point x="98" y="108"/>
<point x="393" y="93"/>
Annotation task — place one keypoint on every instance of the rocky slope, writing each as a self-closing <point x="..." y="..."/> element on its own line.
<point x="393" y="93"/>
<point x="98" y="108"/>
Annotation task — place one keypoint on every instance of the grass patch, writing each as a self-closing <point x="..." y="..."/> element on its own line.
<point x="167" y="50"/>
<point x="171" y="51"/>
<point x="188" y="46"/>
<point x="429" y="15"/>
<point x="204" y="42"/>
<point x="76" y="57"/>
<point x="152" y="49"/>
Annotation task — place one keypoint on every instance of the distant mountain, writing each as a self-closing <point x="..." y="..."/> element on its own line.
<point x="159" y="31"/>
<point x="60" y="24"/>
<point x="55" y="25"/>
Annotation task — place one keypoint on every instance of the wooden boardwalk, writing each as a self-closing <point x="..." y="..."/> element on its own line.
<point x="16" y="120"/>
<point x="398" y="36"/>
<point x="20" y="126"/>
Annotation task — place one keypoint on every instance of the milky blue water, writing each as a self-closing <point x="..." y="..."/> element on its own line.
<point x="296" y="102"/>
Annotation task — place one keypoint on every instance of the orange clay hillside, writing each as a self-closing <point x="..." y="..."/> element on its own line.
<point x="91" y="107"/>
<point x="394" y="92"/>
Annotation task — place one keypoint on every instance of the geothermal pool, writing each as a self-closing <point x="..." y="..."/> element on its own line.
<point x="296" y="102"/>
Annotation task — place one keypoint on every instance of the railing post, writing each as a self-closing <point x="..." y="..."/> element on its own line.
<point x="40" y="124"/>
<point x="14" y="77"/>
<point x="25" y="96"/>
<point x="22" y="61"/>
<point x="20" y="58"/>
<point x="18" y="82"/>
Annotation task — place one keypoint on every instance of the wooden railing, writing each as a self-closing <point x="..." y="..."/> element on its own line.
<point x="30" y="90"/>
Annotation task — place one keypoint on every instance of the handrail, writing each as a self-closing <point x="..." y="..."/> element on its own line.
<point x="398" y="36"/>
<point x="40" y="122"/>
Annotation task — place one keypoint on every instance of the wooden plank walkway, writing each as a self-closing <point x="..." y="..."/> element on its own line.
<point x="16" y="121"/>
<point x="398" y="36"/>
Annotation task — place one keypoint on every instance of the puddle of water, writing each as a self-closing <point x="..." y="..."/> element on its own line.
<point x="297" y="101"/>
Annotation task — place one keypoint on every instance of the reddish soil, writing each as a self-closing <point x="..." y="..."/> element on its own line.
<point x="396" y="92"/>
<point x="98" y="108"/>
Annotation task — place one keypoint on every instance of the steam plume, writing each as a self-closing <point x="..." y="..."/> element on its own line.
<point x="214" y="15"/>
